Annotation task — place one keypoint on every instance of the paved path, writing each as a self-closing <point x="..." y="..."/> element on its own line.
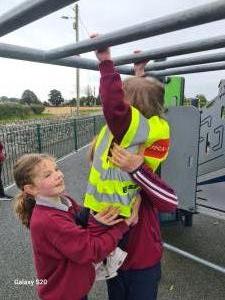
<point x="182" y="279"/>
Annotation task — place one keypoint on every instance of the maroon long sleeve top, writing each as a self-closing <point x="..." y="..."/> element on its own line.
<point x="64" y="252"/>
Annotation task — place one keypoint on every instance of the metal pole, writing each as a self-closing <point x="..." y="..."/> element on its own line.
<point x="28" y="12"/>
<point x="187" y="70"/>
<point x="192" y="17"/>
<point x="36" y="55"/>
<point x="76" y="28"/>
<point x="198" y="60"/>
<point x="180" y="49"/>
<point x="195" y="258"/>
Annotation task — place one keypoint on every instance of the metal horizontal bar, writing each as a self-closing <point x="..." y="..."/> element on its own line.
<point x="35" y="55"/>
<point x="187" y="70"/>
<point x="28" y="12"/>
<point x="208" y="58"/>
<point x="188" y="18"/>
<point x="21" y="53"/>
<point x="180" y="49"/>
<point x="194" y="257"/>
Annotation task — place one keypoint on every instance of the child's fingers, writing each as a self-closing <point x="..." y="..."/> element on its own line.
<point x="114" y="151"/>
<point x="115" y="222"/>
<point x="117" y="155"/>
<point x="112" y="217"/>
<point x="109" y="216"/>
<point x="103" y="212"/>
<point x="120" y="150"/>
<point x="116" y="161"/>
<point x="112" y="214"/>
<point x="117" y="147"/>
<point x="120" y="153"/>
<point x="135" y="208"/>
<point x="143" y="62"/>
<point x="136" y="203"/>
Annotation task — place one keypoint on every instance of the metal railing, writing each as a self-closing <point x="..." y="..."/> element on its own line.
<point x="57" y="139"/>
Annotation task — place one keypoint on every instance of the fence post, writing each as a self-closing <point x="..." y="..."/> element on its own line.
<point x="39" y="137"/>
<point x="75" y="133"/>
<point x="94" y="125"/>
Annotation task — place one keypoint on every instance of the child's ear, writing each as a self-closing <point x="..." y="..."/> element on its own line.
<point x="30" y="189"/>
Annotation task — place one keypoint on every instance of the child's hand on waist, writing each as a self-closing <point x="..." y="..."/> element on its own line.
<point x="133" y="219"/>
<point x="108" y="216"/>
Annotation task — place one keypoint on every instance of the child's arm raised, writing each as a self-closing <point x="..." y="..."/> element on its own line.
<point x="139" y="67"/>
<point x="117" y="112"/>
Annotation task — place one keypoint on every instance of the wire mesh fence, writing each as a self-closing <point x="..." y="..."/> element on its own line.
<point x="57" y="139"/>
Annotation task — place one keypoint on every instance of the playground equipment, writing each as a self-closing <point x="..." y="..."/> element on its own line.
<point x="198" y="148"/>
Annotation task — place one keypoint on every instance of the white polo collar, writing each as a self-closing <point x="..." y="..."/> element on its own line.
<point x="64" y="205"/>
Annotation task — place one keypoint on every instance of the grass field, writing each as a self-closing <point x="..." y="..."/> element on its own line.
<point x="68" y="110"/>
<point x="53" y="112"/>
<point x="28" y="117"/>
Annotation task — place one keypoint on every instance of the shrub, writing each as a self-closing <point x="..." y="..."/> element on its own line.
<point x="37" y="109"/>
<point x="14" y="110"/>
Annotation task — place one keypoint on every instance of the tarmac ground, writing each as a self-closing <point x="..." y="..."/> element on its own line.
<point x="182" y="278"/>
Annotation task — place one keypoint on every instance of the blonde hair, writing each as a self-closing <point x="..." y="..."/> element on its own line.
<point x="145" y="94"/>
<point x="23" y="172"/>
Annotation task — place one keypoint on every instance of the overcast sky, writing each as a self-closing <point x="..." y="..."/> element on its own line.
<point x="101" y="16"/>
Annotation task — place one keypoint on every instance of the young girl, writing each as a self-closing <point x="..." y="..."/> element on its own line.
<point x="63" y="252"/>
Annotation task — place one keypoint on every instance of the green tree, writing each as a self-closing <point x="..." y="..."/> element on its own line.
<point x="55" y="97"/>
<point x="4" y="99"/>
<point x="202" y="101"/>
<point x="29" y="97"/>
<point x="45" y="103"/>
<point x="90" y="95"/>
<point x="15" y="100"/>
<point x="83" y="101"/>
<point x="98" y="100"/>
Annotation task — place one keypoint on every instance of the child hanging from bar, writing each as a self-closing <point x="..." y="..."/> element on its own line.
<point x="133" y="110"/>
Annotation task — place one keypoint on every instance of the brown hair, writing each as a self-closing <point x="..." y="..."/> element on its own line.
<point x="23" y="172"/>
<point x="145" y="94"/>
<point x="91" y="150"/>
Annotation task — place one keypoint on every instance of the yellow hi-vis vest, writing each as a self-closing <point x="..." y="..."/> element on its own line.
<point x="109" y="185"/>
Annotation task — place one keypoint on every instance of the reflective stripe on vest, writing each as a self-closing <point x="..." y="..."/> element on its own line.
<point x="108" y="184"/>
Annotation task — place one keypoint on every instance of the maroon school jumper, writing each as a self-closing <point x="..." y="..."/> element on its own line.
<point x="64" y="252"/>
<point x="144" y="245"/>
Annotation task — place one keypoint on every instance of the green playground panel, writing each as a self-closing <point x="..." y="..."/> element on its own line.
<point x="174" y="91"/>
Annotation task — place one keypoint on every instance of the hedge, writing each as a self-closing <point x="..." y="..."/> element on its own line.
<point x="19" y="110"/>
